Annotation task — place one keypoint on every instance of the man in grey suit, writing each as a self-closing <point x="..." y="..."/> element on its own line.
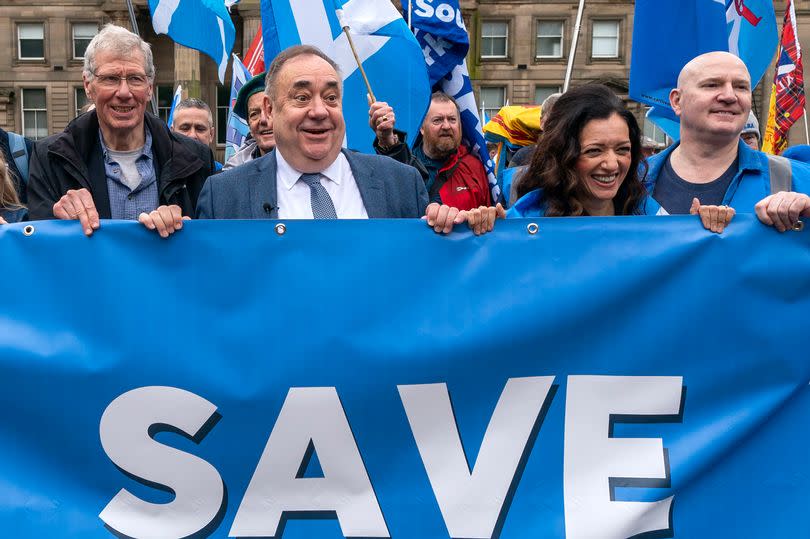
<point x="309" y="175"/>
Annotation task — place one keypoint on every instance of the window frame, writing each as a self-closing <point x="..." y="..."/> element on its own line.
<point x="537" y="36"/>
<point x="489" y="110"/>
<point x="618" y="39"/>
<point x="79" y="90"/>
<point x="555" y="87"/>
<point x="23" y="110"/>
<point x="19" y="57"/>
<point x="73" y="26"/>
<point x="505" y="37"/>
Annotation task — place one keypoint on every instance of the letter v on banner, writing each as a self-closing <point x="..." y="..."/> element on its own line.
<point x="382" y="39"/>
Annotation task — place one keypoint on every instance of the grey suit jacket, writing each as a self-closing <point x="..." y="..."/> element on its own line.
<point x="389" y="189"/>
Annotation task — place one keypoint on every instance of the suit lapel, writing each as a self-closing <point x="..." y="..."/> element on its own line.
<point x="370" y="186"/>
<point x="262" y="188"/>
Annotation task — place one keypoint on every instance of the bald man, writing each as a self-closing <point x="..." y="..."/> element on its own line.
<point x="711" y="166"/>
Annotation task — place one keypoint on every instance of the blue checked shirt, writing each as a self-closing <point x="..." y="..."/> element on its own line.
<point x="126" y="203"/>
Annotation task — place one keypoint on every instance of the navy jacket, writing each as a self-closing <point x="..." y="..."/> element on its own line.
<point x="388" y="188"/>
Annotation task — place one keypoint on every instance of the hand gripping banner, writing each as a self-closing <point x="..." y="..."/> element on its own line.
<point x="621" y="377"/>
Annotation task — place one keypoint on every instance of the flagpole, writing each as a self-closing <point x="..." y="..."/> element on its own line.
<point x="134" y="22"/>
<point x="410" y="15"/>
<point x="345" y="26"/>
<point x="573" y="52"/>
<point x="806" y="134"/>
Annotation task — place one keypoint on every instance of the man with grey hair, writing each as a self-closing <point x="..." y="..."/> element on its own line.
<point x="193" y="118"/>
<point x="118" y="161"/>
<point x="308" y="175"/>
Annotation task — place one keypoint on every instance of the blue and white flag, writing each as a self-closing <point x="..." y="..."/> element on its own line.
<point x="444" y="41"/>
<point x="238" y="128"/>
<point x="746" y="28"/>
<point x="178" y="96"/>
<point x="388" y="51"/>
<point x="204" y="25"/>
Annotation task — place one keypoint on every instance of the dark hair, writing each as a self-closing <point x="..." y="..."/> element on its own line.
<point x="553" y="163"/>
<point x="288" y="54"/>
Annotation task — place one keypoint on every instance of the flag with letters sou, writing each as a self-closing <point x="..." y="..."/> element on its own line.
<point x="444" y="41"/>
<point x="204" y="25"/>
<point x="669" y="33"/>
<point x="387" y="49"/>
<point x="787" y="94"/>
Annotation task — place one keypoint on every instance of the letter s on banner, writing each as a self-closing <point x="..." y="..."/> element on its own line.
<point x="592" y="456"/>
<point x="198" y="487"/>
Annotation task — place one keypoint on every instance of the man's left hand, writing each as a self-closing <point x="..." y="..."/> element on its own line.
<point x="165" y="219"/>
<point x="783" y="209"/>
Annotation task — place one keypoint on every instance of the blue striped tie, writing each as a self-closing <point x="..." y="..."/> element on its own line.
<point x="322" y="206"/>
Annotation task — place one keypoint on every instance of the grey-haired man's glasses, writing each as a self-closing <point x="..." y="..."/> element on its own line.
<point x="135" y="82"/>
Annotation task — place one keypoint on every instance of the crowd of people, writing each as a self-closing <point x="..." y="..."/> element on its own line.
<point x="117" y="161"/>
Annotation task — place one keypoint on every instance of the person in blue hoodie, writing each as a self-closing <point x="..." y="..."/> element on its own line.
<point x="587" y="163"/>
<point x="710" y="164"/>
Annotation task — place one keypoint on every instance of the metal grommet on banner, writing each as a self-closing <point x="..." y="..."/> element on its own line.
<point x="799" y="226"/>
<point x="29" y="230"/>
<point x="281" y="228"/>
<point x="533" y="228"/>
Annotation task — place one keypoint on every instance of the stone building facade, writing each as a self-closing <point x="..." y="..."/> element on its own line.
<point x="518" y="55"/>
<point x="41" y="59"/>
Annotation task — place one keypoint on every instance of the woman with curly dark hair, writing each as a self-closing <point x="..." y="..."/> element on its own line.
<point x="587" y="162"/>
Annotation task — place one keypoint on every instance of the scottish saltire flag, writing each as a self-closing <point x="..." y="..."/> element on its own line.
<point x="787" y="94"/>
<point x="178" y="96"/>
<point x="230" y="3"/>
<point x="444" y="41"/>
<point x="204" y="25"/>
<point x="238" y="128"/>
<point x="387" y="49"/>
<point x="669" y="33"/>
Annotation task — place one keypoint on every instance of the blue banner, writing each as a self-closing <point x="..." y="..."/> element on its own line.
<point x="354" y="379"/>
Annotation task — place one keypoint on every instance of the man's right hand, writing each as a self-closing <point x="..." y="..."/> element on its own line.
<point x="381" y="119"/>
<point x="78" y="204"/>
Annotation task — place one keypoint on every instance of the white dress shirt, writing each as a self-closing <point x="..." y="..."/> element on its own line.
<point x="293" y="196"/>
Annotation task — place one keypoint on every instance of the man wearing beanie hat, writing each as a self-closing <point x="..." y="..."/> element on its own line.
<point x="750" y="133"/>
<point x="249" y="106"/>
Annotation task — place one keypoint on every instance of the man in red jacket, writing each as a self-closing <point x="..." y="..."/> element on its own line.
<point x="454" y="176"/>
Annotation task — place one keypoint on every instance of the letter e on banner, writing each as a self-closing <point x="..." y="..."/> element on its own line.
<point x="125" y="436"/>
<point x="592" y="456"/>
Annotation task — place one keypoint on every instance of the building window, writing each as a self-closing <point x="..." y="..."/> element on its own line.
<point x="605" y="42"/>
<point x="494" y="39"/>
<point x="83" y="32"/>
<point x="542" y="92"/>
<point x="34" y="113"/>
<point x="81" y="99"/>
<point x="653" y="131"/>
<point x="492" y="99"/>
<point x="549" y="39"/>
<point x="31" y="41"/>
<point x="165" y="96"/>
<point x="223" y="106"/>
